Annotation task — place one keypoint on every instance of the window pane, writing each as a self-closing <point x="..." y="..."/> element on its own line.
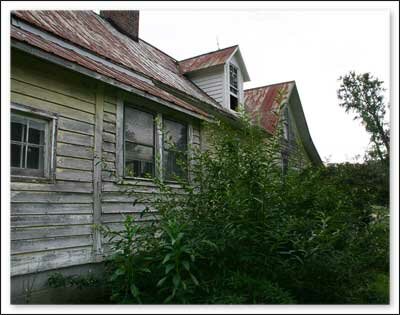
<point x="176" y="134"/>
<point x="138" y="160"/>
<point x="139" y="126"/>
<point x="233" y="77"/>
<point x="16" y="155"/>
<point x="173" y="164"/>
<point x="36" y="132"/>
<point x="18" y="125"/>
<point x="35" y="158"/>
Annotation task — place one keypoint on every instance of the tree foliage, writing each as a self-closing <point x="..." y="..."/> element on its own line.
<point x="362" y="94"/>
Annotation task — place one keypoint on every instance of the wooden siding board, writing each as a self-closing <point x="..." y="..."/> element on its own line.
<point x="74" y="175"/>
<point x="50" y="96"/>
<point x="74" y="138"/>
<point x="31" y="233"/>
<point x="52" y="107"/>
<point x="59" y="186"/>
<point x="54" y="219"/>
<point x="50" y="208"/>
<point x="50" y="197"/>
<point x="35" y="262"/>
<point x="38" y="245"/>
<point x="71" y="150"/>
<point x="74" y="163"/>
<point x="75" y="126"/>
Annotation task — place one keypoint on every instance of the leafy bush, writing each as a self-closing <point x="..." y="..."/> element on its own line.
<point x="241" y="232"/>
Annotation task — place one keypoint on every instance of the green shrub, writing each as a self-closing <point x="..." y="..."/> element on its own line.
<point x="241" y="232"/>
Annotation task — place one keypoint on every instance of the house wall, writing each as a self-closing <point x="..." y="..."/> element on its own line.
<point x="211" y="81"/>
<point x="52" y="222"/>
<point x="298" y="158"/>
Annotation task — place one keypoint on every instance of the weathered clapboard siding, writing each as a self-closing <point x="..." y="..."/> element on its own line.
<point x="74" y="138"/>
<point x="50" y="197"/>
<point x="75" y="126"/>
<point x="46" y="260"/>
<point x="74" y="175"/>
<point x="50" y="219"/>
<point x="74" y="163"/>
<point x="52" y="107"/>
<point x="51" y="222"/>
<point x="32" y="233"/>
<point x="38" y="245"/>
<point x="211" y="82"/>
<point x="59" y="186"/>
<point x="71" y="150"/>
<point x="125" y="207"/>
<point x="30" y="208"/>
<point x="50" y="96"/>
<point x="35" y="71"/>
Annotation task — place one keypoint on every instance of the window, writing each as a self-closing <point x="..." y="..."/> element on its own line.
<point x="233" y="87"/>
<point x="174" y="149"/>
<point x="139" y="143"/>
<point x="30" y="145"/>
<point x="233" y="79"/>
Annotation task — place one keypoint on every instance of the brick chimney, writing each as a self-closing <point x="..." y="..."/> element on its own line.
<point x="127" y="22"/>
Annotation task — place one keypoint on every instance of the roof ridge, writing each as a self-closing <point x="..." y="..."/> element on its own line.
<point x="268" y="85"/>
<point x="210" y="52"/>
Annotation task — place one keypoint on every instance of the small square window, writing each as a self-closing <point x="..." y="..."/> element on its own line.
<point x="30" y="145"/>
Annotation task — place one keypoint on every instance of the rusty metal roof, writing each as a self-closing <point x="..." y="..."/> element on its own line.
<point x="207" y="60"/>
<point x="260" y="102"/>
<point x="91" y="64"/>
<point x="89" y="31"/>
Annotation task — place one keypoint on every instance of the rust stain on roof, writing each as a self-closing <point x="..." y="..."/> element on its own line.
<point x="207" y="60"/>
<point x="88" y="30"/>
<point x="100" y="68"/>
<point x="262" y="105"/>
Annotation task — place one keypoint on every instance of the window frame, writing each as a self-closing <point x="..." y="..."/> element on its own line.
<point x="162" y="171"/>
<point x="154" y="114"/>
<point x="49" y="156"/>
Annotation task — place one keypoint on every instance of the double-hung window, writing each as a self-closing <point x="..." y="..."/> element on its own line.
<point x="139" y="134"/>
<point x="31" y="144"/>
<point x="174" y="150"/>
<point x="144" y="140"/>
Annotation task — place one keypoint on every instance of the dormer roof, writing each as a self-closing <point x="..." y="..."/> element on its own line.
<point x="213" y="58"/>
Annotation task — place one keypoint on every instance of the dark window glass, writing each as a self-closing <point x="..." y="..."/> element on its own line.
<point x="35" y="158"/>
<point x="36" y="132"/>
<point x="16" y="155"/>
<point x="175" y="146"/>
<point x="27" y="145"/>
<point x="18" y="125"/>
<point x="233" y="79"/>
<point x="139" y="143"/>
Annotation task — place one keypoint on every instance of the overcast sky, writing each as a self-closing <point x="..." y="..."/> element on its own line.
<point x="313" y="47"/>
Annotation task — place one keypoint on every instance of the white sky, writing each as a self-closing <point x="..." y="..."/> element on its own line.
<point x="313" y="47"/>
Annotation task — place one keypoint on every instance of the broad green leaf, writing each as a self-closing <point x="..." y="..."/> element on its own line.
<point x="161" y="281"/>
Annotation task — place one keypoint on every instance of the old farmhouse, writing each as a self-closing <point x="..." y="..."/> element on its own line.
<point x="85" y="92"/>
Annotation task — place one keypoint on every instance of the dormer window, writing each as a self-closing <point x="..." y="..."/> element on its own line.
<point x="233" y="87"/>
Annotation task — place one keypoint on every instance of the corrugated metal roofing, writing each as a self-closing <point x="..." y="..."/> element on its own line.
<point x="91" y="64"/>
<point x="207" y="60"/>
<point x="261" y="104"/>
<point x="88" y="30"/>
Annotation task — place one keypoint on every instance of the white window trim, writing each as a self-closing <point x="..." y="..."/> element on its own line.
<point x="49" y="155"/>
